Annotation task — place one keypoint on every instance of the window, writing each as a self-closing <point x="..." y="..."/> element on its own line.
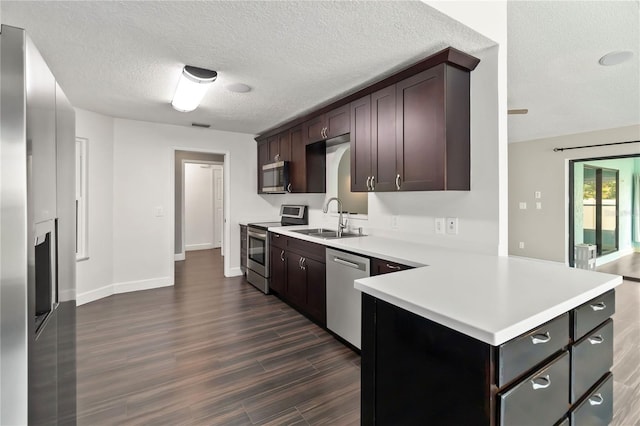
<point x="600" y="208"/>
<point x="81" y="199"/>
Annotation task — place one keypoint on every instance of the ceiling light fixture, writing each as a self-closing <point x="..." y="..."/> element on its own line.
<point x="615" y="58"/>
<point x="192" y="86"/>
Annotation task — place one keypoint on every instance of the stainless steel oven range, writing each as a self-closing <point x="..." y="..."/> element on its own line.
<point x="258" y="244"/>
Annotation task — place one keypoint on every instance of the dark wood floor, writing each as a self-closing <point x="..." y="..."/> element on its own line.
<point x="627" y="266"/>
<point x="210" y="351"/>
<point x="215" y="351"/>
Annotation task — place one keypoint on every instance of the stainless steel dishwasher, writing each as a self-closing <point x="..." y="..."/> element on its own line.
<point x="344" y="302"/>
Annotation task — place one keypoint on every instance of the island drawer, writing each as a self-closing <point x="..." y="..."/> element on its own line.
<point x="541" y="398"/>
<point x="591" y="358"/>
<point x="597" y="407"/>
<point x="380" y="267"/>
<point x="524" y="352"/>
<point x="593" y="313"/>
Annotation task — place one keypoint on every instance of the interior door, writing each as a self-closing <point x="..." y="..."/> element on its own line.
<point x="198" y="206"/>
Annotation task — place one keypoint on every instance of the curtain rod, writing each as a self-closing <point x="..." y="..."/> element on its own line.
<point x="592" y="146"/>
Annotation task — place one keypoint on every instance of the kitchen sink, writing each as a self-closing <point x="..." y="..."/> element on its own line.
<point x="326" y="234"/>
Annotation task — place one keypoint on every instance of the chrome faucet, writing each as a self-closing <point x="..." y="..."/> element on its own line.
<point x="341" y="225"/>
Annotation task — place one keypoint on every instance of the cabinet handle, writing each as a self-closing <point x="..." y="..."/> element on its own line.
<point x="289" y="188"/>
<point x="276" y="157"/>
<point x="598" y="306"/>
<point x="304" y="261"/>
<point x="276" y="235"/>
<point x="300" y="263"/>
<point x="393" y="267"/>
<point x="373" y="183"/>
<point x="282" y="255"/>
<point x="398" y="182"/>
<point x="596" y="340"/>
<point x="596" y="399"/>
<point x="325" y="132"/>
<point x="541" y="382"/>
<point x="368" y="183"/>
<point x="540" y="338"/>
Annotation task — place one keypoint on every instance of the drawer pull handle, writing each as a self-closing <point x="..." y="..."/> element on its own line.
<point x="596" y="340"/>
<point x="541" y="382"/>
<point x="393" y="267"/>
<point x="276" y="235"/>
<point x="596" y="399"/>
<point x="540" y="338"/>
<point x="282" y="255"/>
<point x="598" y="306"/>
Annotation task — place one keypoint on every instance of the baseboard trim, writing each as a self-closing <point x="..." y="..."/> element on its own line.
<point x="93" y="295"/>
<point x="124" y="287"/>
<point x="234" y="272"/>
<point x="66" y="295"/>
<point x="178" y="256"/>
<point x="194" y="247"/>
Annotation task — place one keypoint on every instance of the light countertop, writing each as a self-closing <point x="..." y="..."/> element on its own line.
<point x="490" y="298"/>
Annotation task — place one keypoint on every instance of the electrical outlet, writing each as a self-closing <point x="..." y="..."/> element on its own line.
<point x="521" y="244"/>
<point x="394" y="222"/>
<point x="440" y="225"/>
<point x="523" y="205"/>
<point x="539" y="205"/>
<point x="452" y="225"/>
<point x="538" y="194"/>
<point x="159" y="211"/>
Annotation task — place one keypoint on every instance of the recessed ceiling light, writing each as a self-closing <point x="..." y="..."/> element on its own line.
<point x="615" y="58"/>
<point x="238" y="88"/>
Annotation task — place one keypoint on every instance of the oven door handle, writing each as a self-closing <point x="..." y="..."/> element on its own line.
<point x="257" y="235"/>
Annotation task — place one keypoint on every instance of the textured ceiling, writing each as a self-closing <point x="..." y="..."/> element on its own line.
<point x="553" y="70"/>
<point x="123" y="58"/>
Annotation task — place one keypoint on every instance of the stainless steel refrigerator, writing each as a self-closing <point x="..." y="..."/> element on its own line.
<point x="37" y="239"/>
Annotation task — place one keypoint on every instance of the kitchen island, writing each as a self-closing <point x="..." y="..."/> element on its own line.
<point x="466" y="338"/>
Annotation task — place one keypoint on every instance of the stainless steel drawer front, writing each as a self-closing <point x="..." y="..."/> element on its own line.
<point x="522" y="353"/>
<point x="593" y="313"/>
<point x="591" y="358"/>
<point x="597" y="408"/>
<point x="539" y="399"/>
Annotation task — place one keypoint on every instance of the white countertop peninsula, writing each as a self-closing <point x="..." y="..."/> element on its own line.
<point x="490" y="298"/>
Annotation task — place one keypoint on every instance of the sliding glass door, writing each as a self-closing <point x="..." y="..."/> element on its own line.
<point x="600" y="208"/>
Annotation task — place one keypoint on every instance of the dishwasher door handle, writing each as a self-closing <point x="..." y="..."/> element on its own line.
<point x="347" y="263"/>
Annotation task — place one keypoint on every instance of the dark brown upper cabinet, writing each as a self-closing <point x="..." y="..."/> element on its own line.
<point x="361" y="144"/>
<point x="409" y="131"/>
<point x="263" y="158"/>
<point x="326" y="126"/>
<point x="432" y="130"/>
<point x="298" y="166"/>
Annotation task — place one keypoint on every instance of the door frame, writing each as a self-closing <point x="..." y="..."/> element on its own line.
<point x="571" y="207"/>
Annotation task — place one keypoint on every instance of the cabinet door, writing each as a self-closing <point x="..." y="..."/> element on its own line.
<point x="298" y="169"/>
<point x="296" y="280"/>
<point x="278" y="261"/>
<point x="360" y="143"/>
<point x="312" y="129"/>
<point x="284" y="146"/>
<point x="274" y="148"/>
<point x="263" y="158"/>
<point x="383" y="139"/>
<point x="421" y="131"/>
<point x="337" y="122"/>
<point x="316" y="290"/>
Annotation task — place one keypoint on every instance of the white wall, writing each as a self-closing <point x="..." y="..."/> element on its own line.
<point x="143" y="182"/>
<point x="534" y="166"/>
<point x="198" y="206"/>
<point x="95" y="274"/>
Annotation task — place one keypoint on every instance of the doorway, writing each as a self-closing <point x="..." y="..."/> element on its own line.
<point x="202" y="205"/>
<point x="604" y="211"/>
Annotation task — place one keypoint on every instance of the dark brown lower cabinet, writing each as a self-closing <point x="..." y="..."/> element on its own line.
<point x="298" y="275"/>
<point x="416" y="371"/>
<point x="243" y="248"/>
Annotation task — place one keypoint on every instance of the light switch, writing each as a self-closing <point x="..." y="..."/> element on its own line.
<point x="523" y="205"/>
<point x="394" y="222"/>
<point x="538" y="194"/>
<point x="521" y="244"/>
<point x="539" y="205"/>
<point x="440" y="225"/>
<point x="159" y="211"/>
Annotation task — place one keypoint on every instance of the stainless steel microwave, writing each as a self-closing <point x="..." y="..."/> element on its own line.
<point x="275" y="177"/>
